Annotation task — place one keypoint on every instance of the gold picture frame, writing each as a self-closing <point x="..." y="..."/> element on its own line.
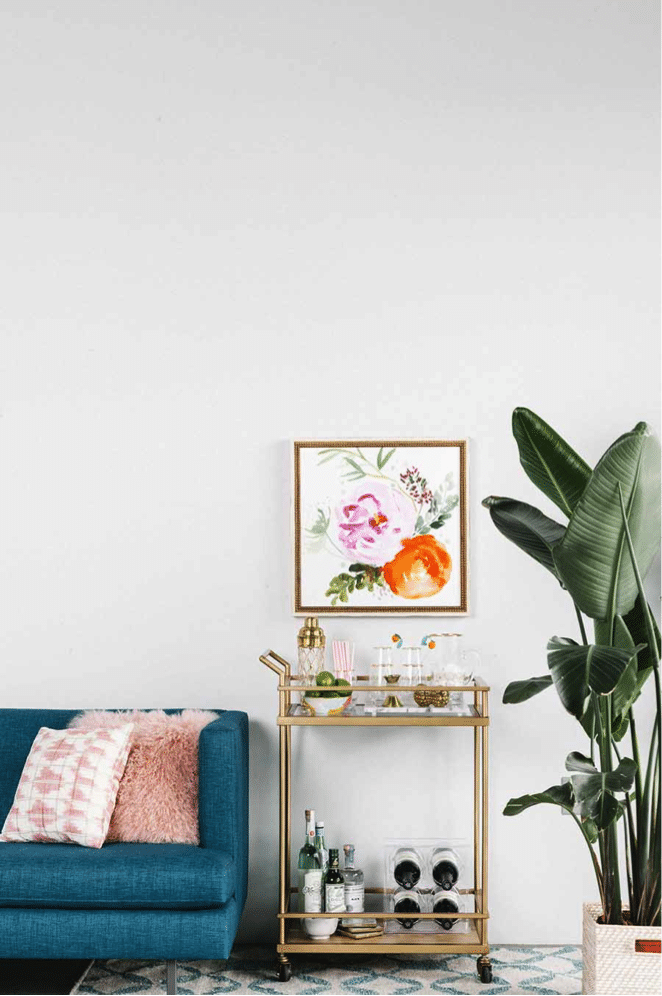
<point x="358" y="466"/>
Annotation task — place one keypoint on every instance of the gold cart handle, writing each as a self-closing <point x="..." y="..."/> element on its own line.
<point x="283" y="667"/>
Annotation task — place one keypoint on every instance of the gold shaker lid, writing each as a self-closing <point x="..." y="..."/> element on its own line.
<point x="311" y="634"/>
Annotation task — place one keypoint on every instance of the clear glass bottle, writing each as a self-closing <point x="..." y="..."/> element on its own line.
<point x="334" y="886"/>
<point x="359" y="698"/>
<point x="312" y="891"/>
<point x="308" y="858"/>
<point x="413" y="673"/>
<point x="380" y="667"/>
<point x="320" y="846"/>
<point x="354" y="887"/>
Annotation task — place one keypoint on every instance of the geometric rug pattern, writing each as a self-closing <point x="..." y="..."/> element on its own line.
<point x="251" y="969"/>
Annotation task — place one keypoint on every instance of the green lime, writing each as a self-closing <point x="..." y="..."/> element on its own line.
<point x="329" y="695"/>
<point x="325" y="678"/>
<point x="341" y="681"/>
<point x="313" y="695"/>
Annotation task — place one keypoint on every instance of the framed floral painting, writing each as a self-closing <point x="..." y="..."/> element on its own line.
<point x="380" y="527"/>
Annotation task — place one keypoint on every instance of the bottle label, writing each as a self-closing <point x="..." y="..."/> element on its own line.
<point x="335" y="898"/>
<point x="354" y="898"/>
<point x="312" y="891"/>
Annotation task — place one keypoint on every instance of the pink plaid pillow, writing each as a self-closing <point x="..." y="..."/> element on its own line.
<point x="67" y="790"/>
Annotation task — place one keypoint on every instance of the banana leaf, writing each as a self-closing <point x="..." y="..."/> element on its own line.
<point x="594" y="790"/>
<point x="520" y="691"/>
<point x="635" y="621"/>
<point x="526" y="527"/>
<point x="591" y="559"/>
<point x="549" y="461"/>
<point x="556" y="795"/>
<point x="577" y="669"/>
<point x="562" y="475"/>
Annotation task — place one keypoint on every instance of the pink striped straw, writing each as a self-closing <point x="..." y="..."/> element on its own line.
<point x="343" y="659"/>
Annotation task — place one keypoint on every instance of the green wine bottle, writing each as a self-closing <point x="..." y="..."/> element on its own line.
<point x="308" y="859"/>
<point x="334" y="886"/>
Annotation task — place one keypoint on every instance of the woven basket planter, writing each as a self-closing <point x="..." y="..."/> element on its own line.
<point x="613" y="961"/>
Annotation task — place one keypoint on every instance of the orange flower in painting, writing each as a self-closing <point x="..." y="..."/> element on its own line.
<point x="420" y="570"/>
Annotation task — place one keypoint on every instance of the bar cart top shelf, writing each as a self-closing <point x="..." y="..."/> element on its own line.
<point x="292" y="683"/>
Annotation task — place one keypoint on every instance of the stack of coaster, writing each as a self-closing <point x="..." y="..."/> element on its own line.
<point x="360" y="930"/>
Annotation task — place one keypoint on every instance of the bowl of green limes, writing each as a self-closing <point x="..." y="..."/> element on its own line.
<point x="329" y="696"/>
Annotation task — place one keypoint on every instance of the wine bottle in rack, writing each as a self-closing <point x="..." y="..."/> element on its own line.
<point x="446" y="902"/>
<point x="445" y="867"/>
<point x="308" y="859"/>
<point x="407" y="901"/>
<point x="407" y="866"/>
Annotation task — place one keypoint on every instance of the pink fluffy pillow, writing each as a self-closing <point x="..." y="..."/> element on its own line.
<point x="157" y="801"/>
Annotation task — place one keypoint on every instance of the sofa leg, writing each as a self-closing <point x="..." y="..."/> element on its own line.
<point x="171" y="972"/>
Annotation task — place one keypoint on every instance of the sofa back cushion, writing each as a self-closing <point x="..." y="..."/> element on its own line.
<point x="18" y="728"/>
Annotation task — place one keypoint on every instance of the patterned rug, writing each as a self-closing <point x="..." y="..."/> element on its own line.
<point x="252" y="970"/>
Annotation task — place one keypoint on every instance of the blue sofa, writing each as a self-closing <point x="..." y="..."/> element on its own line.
<point x="153" y="901"/>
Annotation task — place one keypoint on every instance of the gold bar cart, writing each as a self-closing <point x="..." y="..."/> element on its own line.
<point x="292" y="939"/>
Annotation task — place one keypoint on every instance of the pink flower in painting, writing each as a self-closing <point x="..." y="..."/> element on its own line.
<point x="374" y="521"/>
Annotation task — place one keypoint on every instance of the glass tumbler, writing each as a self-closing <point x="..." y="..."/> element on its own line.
<point x="379" y="668"/>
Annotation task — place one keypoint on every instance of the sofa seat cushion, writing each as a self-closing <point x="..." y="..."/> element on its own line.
<point x="116" y="876"/>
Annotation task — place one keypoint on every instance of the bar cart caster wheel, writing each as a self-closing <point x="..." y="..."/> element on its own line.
<point x="284" y="971"/>
<point x="484" y="970"/>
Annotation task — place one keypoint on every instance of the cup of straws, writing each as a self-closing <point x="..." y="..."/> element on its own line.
<point x="343" y="659"/>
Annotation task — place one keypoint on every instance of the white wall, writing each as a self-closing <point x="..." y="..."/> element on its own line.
<point x="228" y="224"/>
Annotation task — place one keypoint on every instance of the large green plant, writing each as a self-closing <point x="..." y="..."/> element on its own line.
<point x="600" y="558"/>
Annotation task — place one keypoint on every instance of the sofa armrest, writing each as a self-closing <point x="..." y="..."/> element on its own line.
<point x="223" y="791"/>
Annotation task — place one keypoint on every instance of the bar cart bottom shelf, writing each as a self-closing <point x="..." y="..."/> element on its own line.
<point x="298" y="942"/>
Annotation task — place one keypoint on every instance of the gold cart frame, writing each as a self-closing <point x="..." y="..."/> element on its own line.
<point x="291" y="937"/>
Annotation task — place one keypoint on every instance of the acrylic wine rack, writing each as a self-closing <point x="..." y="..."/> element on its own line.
<point x="292" y="939"/>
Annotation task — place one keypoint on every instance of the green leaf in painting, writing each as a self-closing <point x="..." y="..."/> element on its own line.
<point x="383" y="460"/>
<point x="358" y="471"/>
<point x="320" y="525"/>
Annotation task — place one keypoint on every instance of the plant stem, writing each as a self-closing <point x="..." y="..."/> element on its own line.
<point x="632" y="848"/>
<point x="635" y="753"/>
<point x="581" y="625"/>
<point x="596" y="864"/>
<point x="656" y="832"/>
<point x="613" y="912"/>
<point x="629" y="846"/>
